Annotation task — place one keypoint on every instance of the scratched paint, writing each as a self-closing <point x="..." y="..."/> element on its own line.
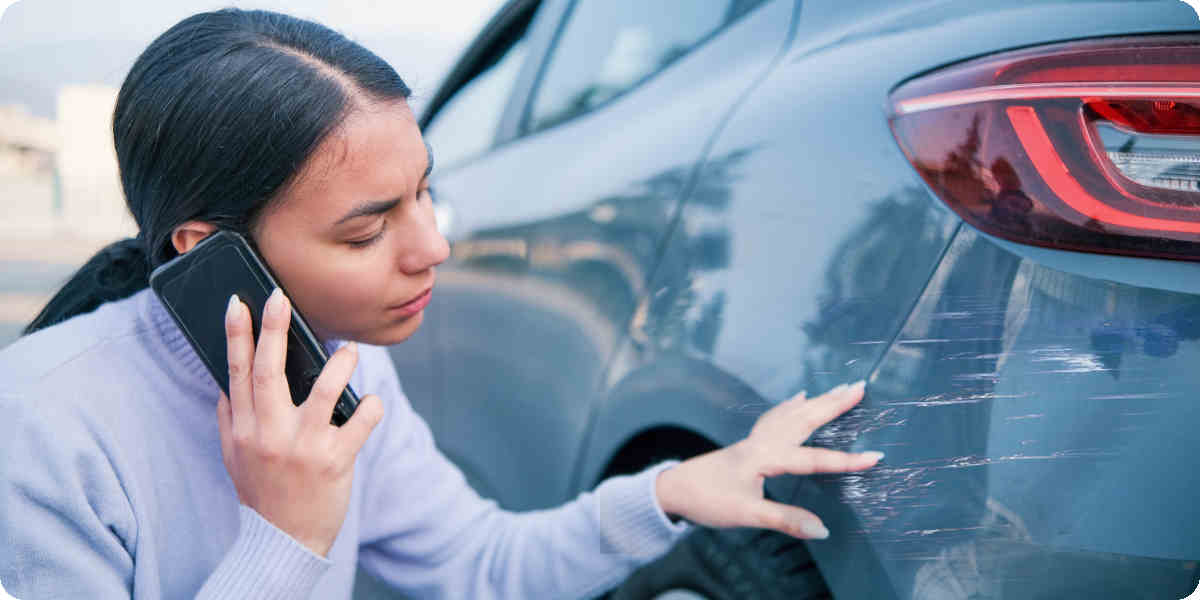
<point x="1039" y="433"/>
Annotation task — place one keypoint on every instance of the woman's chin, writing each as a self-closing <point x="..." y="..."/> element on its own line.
<point x="392" y="333"/>
<point x="385" y="333"/>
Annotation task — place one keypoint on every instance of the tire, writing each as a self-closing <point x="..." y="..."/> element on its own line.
<point x="729" y="564"/>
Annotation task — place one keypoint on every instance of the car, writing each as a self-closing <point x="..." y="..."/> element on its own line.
<point x="667" y="217"/>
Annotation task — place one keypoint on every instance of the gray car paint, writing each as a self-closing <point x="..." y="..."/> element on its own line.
<point x="555" y="238"/>
<point x="1035" y="423"/>
<point x="1034" y="404"/>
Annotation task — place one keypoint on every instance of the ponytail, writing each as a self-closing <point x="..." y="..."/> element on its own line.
<point x="116" y="272"/>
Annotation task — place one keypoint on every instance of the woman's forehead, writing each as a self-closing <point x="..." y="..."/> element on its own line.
<point x="376" y="154"/>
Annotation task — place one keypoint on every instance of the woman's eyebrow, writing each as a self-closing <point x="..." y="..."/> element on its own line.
<point x="367" y="209"/>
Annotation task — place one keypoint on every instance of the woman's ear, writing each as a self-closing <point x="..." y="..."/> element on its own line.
<point x="186" y="236"/>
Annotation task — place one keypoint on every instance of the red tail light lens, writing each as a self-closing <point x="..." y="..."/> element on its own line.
<point x="1091" y="146"/>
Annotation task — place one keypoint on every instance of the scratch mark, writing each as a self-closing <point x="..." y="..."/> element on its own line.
<point x="973" y="356"/>
<point x="1072" y="362"/>
<point x="934" y="401"/>
<point x="952" y="315"/>
<point x="945" y="340"/>
<point x="963" y="462"/>
<point x="750" y="408"/>
<point x="993" y="377"/>
<point x="1061" y="371"/>
<point x="945" y="530"/>
<point x="845" y="430"/>
<point x="1023" y="417"/>
<point x="1147" y="396"/>
<point x="942" y="400"/>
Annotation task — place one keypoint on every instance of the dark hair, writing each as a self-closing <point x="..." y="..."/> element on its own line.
<point x="214" y="119"/>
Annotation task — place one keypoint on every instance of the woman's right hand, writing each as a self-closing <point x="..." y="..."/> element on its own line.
<point x="287" y="462"/>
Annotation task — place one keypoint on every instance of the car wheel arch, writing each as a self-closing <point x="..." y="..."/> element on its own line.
<point x="684" y="404"/>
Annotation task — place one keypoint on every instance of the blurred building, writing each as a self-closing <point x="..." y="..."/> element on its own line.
<point x="28" y="147"/>
<point x="60" y="176"/>
<point x="92" y="202"/>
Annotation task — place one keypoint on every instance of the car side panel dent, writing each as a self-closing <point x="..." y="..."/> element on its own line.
<point x="1036" y="425"/>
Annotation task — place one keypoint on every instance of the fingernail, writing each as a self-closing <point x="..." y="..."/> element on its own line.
<point x="274" y="302"/>
<point x="814" y="531"/>
<point x="353" y="346"/>
<point x="875" y="454"/>
<point x="860" y="384"/>
<point x="231" y="310"/>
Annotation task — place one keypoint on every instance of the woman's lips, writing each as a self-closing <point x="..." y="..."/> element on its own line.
<point x="415" y="305"/>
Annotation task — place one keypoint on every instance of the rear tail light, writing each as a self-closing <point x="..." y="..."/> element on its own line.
<point x="1091" y="146"/>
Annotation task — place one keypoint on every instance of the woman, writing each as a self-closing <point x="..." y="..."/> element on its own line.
<point x="120" y="481"/>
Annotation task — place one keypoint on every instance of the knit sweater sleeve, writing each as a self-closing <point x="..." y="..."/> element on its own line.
<point x="427" y="532"/>
<point x="264" y="563"/>
<point x="68" y="529"/>
<point x="66" y="526"/>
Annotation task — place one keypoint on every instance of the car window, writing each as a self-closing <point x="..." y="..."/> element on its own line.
<point x="611" y="46"/>
<point x="465" y="125"/>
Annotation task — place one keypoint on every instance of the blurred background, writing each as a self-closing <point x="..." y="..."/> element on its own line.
<point x="62" y="64"/>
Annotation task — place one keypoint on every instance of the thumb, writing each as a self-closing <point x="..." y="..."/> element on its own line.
<point x="792" y="520"/>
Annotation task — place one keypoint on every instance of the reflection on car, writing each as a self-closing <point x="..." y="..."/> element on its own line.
<point x="668" y="217"/>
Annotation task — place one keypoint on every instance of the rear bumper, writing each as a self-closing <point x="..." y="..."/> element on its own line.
<point x="1041" y="434"/>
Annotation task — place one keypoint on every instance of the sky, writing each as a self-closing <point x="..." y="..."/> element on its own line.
<point x="48" y="43"/>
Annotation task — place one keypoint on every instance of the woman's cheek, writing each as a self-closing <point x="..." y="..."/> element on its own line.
<point x="363" y="286"/>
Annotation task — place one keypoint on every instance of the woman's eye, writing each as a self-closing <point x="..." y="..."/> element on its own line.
<point x="368" y="241"/>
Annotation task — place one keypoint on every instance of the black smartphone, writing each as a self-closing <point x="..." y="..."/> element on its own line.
<point x="195" y="288"/>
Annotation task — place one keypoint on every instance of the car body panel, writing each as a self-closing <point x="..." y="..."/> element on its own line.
<point x="974" y="453"/>
<point x="1035" y="423"/>
<point x="549" y="260"/>
<point x="1035" y="405"/>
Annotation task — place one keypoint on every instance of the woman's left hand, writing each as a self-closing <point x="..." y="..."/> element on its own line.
<point x="724" y="488"/>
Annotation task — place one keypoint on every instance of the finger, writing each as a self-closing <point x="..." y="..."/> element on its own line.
<point x="798" y="399"/>
<point x="827" y="407"/>
<point x="792" y="520"/>
<point x="793" y="403"/>
<point x="335" y="375"/>
<point x="271" y="393"/>
<point x="805" y="461"/>
<point x="354" y="432"/>
<point x="239" y="352"/>
<point x="225" y="428"/>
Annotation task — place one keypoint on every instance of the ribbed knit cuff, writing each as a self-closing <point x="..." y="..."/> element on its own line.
<point x="631" y="517"/>
<point x="264" y="563"/>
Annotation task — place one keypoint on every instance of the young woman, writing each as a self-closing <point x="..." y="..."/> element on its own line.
<point x="127" y="473"/>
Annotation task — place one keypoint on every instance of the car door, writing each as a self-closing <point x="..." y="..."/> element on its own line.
<point x="1035" y="405"/>
<point x="557" y="217"/>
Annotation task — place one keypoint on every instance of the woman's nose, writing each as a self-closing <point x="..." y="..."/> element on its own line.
<point x="427" y="248"/>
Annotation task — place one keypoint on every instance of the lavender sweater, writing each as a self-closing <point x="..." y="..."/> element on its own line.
<point x="112" y="486"/>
